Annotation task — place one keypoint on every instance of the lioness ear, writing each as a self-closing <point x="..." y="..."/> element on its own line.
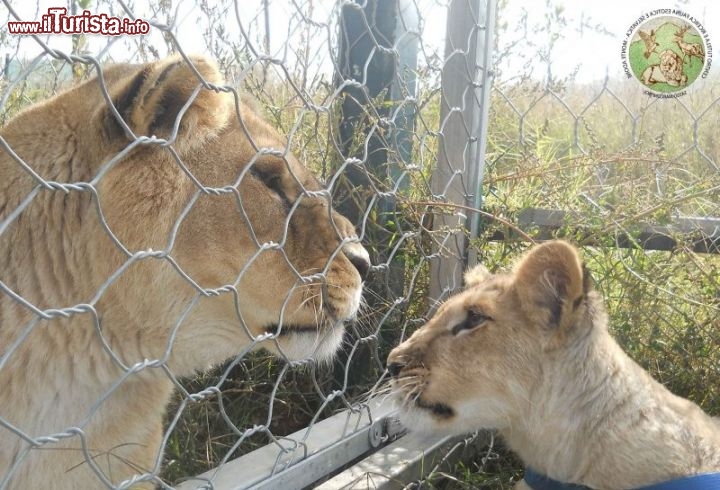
<point x="550" y="283"/>
<point x="151" y="98"/>
<point x="476" y="275"/>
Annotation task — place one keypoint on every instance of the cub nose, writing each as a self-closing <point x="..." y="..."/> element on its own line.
<point x="358" y="257"/>
<point x="394" y="368"/>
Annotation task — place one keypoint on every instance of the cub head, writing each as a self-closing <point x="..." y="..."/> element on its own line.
<point x="474" y="363"/>
<point x="191" y="169"/>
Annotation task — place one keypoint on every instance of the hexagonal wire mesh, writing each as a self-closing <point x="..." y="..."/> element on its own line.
<point x="355" y="90"/>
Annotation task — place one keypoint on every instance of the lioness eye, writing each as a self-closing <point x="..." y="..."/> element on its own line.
<point x="271" y="180"/>
<point x="473" y="319"/>
<point x="274" y="183"/>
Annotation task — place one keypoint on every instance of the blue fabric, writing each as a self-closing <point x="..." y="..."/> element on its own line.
<point x="710" y="481"/>
<point x="536" y="481"/>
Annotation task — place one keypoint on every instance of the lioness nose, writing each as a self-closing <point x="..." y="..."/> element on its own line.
<point x="359" y="257"/>
<point x="394" y="369"/>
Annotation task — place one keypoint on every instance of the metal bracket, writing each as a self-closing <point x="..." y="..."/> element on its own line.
<point x="331" y="444"/>
<point x="385" y="430"/>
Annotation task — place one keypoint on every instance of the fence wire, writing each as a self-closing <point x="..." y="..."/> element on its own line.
<point x="371" y="98"/>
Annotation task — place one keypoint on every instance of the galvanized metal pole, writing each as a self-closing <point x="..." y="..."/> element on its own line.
<point x="266" y="12"/>
<point x="466" y="83"/>
<point x="483" y="87"/>
<point x="377" y="65"/>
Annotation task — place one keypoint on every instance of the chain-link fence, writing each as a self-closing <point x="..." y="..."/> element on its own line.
<point x="142" y="234"/>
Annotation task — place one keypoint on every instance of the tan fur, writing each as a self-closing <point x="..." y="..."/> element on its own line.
<point x="96" y="378"/>
<point x="539" y="365"/>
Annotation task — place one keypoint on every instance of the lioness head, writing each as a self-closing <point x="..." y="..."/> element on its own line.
<point x="475" y="362"/>
<point x="187" y="172"/>
<point x="162" y="204"/>
<point x="267" y="228"/>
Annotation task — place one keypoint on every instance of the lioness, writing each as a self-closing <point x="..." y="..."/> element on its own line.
<point x="529" y="354"/>
<point x="177" y="257"/>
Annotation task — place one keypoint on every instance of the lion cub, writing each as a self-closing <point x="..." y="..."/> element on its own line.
<point x="529" y="354"/>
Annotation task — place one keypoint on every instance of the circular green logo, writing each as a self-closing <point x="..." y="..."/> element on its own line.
<point x="666" y="54"/>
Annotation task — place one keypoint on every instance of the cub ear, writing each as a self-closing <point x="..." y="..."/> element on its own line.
<point x="550" y="282"/>
<point x="476" y="275"/>
<point x="151" y="97"/>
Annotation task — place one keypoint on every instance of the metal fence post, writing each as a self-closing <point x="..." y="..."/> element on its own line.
<point x="377" y="61"/>
<point x="376" y="69"/>
<point x="466" y="84"/>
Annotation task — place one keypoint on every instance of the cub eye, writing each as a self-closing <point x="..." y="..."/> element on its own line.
<point x="473" y="319"/>
<point x="476" y="317"/>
